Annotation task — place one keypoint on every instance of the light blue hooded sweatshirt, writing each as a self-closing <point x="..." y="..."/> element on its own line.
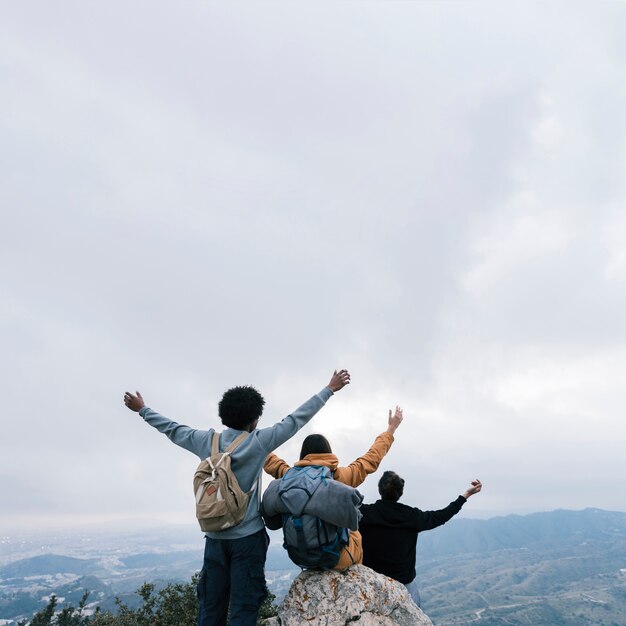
<point x="249" y="457"/>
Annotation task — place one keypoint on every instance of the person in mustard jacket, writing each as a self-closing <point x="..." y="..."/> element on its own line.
<point x="316" y="450"/>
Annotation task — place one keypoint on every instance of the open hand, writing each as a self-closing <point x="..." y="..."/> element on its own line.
<point x="339" y="380"/>
<point x="134" y="402"/>
<point x="475" y="487"/>
<point x="394" y="420"/>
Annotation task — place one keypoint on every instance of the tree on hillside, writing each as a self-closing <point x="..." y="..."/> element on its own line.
<point x="174" y="605"/>
<point x="68" y="616"/>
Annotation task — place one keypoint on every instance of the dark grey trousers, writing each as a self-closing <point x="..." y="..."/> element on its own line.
<point x="233" y="572"/>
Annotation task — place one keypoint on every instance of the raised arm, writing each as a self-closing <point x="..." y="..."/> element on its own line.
<point x="274" y="436"/>
<point x="191" y="439"/>
<point x="275" y="466"/>
<point x="358" y="470"/>
<point x="427" y="520"/>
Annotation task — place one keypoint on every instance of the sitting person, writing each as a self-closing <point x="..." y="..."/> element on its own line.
<point x="316" y="450"/>
<point x="389" y="530"/>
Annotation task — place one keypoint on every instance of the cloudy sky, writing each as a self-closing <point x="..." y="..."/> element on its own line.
<point x="202" y="194"/>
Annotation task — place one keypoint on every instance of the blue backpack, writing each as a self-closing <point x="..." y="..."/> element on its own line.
<point x="310" y="541"/>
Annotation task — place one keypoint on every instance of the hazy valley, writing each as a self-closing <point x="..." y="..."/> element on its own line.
<point x="561" y="567"/>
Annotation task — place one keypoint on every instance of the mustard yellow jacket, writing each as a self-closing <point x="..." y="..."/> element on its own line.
<point x="353" y="475"/>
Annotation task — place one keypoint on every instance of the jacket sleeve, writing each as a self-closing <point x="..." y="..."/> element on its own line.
<point x="358" y="470"/>
<point x="274" y="436"/>
<point x="427" y="520"/>
<point x="192" y="439"/>
<point x="275" y="466"/>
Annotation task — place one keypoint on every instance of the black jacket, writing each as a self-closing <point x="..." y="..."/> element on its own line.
<point x="390" y="530"/>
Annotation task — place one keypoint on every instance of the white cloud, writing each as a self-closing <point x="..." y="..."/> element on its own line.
<point x="428" y="194"/>
<point x="614" y="235"/>
<point x="523" y="232"/>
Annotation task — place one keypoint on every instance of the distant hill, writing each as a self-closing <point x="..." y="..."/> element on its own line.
<point x="47" y="565"/>
<point x="560" y="568"/>
<point x="560" y="528"/>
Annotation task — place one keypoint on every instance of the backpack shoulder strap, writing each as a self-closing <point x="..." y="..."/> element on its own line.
<point x="215" y="443"/>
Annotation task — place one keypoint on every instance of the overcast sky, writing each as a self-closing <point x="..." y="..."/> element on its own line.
<point x="197" y="195"/>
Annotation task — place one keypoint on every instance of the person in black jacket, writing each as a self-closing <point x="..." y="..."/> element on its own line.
<point x="390" y="530"/>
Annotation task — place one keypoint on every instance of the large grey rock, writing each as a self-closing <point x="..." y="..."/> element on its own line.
<point x="357" y="596"/>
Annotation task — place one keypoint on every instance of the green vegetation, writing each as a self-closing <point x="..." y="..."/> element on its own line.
<point x="174" y="605"/>
<point x="583" y="585"/>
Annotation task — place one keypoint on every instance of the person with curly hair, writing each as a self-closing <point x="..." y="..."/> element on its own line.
<point x="234" y="558"/>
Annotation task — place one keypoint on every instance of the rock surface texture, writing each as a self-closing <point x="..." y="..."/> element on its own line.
<point x="357" y="596"/>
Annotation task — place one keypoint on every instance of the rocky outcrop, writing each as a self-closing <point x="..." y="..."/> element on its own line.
<point x="357" y="596"/>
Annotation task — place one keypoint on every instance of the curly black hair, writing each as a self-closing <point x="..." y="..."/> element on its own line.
<point x="390" y="486"/>
<point x="240" y="407"/>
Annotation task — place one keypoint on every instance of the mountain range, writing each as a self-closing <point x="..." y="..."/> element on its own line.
<point x="555" y="568"/>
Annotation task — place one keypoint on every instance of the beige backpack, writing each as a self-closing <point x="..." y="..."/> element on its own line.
<point x="220" y="502"/>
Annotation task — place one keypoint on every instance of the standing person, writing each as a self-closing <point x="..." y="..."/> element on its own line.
<point x="390" y="530"/>
<point x="316" y="450"/>
<point x="234" y="559"/>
